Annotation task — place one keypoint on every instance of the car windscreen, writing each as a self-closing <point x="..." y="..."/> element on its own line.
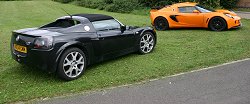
<point x="203" y="9"/>
<point x="61" y="23"/>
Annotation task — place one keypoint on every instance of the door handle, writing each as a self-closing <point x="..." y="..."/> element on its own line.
<point x="99" y="37"/>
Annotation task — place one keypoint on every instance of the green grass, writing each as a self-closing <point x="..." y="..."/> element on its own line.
<point x="177" y="51"/>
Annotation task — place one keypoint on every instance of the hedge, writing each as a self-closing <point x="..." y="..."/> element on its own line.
<point x="127" y="6"/>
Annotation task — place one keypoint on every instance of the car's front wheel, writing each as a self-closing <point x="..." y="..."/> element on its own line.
<point x="147" y="43"/>
<point x="72" y="64"/>
<point x="217" y="24"/>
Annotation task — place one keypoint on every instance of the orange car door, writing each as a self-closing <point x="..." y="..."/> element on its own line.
<point x="190" y="17"/>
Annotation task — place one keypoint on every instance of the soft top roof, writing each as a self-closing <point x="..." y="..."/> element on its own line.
<point x="94" y="17"/>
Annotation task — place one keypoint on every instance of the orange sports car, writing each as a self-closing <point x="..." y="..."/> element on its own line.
<point x="193" y="15"/>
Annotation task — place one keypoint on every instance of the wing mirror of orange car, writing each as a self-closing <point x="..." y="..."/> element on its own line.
<point x="196" y="11"/>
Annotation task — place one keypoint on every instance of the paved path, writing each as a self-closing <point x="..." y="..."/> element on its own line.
<point x="224" y="84"/>
<point x="245" y="15"/>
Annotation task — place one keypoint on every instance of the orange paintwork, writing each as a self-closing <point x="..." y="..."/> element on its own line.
<point x="192" y="19"/>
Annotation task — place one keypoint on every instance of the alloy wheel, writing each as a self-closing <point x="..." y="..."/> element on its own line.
<point x="73" y="64"/>
<point x="147" y="43"/>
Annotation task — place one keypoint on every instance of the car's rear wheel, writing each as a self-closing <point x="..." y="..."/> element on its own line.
<point x="72" y="64"/>
<point x="147" y="43"/>
<point x="161" y="23"/>
<point x="217" y="24"/>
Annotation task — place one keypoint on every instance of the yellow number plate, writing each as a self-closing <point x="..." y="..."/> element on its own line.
<point x="19" y="48"/>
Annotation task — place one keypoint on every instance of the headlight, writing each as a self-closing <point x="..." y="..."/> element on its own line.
<point x="43" y="42"/>
<point x="228" y="15"/>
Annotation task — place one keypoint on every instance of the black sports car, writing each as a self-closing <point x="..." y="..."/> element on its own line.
<point x="67" y="45"/>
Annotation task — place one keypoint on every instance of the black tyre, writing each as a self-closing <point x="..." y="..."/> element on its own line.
<point x="217" y="24"/>
<point x="72" y="64"/>
<point x="146" y="43"/>
<point x="161" y="23"/>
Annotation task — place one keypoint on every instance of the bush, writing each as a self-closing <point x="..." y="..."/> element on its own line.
<point x="153" y="3"/>
<point x="123" y="6"/>
<point x="15" y="0"/>
<point x="108" y="1"/>
<point x="228" y="3"/>
<point x="63" y="1"/>
<point x="91" y="3"/>
<point x="210" y="3"/>
<point x="127" y="6"/>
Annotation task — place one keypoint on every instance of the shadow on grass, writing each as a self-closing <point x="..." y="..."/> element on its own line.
<point x="28" y="72"/>
<point x="235" y="29"/>
<point x="174" y="29"/>
<point x="202" y="29"/>
<point x="102" y="63"/>
<point x="24" y="72"/>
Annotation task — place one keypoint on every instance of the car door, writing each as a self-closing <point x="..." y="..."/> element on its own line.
<point x="111" y="39"/>
<point x="187" y="18"/>
<point x="127" y="40"/>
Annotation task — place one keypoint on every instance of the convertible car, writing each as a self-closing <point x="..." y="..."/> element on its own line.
<point x="70" y="43"/>
<point x="186" y="15"/>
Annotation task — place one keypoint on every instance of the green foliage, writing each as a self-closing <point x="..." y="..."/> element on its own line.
<point x="91" y="3"/>
<point x="123" y="6"/>
<point x="228" y="3"/>
<point x="108" y="1"/>
<point x="63" y="1"/>
<point x="14" y="0"/>
<point x="210" y="3"/>
<point x="128" y="6"/>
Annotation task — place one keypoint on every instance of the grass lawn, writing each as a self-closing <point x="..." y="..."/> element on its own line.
<point x="177" y="51"/>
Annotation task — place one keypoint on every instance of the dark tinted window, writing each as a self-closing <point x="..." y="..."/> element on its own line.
<point x="188" y="9"/>
<point x="62" y="23"/>
<point x="106" y="25"/>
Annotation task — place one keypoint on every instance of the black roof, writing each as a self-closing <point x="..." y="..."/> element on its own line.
<point x="94" y="17"/>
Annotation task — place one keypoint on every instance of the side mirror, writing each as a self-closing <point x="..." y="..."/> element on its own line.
<point x="123" y="28"/>
<point x="196" y="11"/>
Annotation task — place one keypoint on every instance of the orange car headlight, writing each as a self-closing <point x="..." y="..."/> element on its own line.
<point x="228" y="15"/>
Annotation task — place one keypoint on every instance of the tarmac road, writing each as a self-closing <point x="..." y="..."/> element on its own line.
<point x="223" y="84"/>
<point x="245" y="15"/>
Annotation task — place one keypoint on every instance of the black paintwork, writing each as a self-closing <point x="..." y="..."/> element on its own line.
<point x="94" y="17"/>
<point x="173" y="17"/>
<point x="97" y="45"/>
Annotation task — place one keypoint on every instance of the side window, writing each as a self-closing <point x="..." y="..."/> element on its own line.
<point x="105" y="25"/>
<point x="188" y="9"/>
<point x="62" y="23"/>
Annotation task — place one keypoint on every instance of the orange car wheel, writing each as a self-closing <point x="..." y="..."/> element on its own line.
<point x="217" y="24"/>
<point x="161" y="23"/>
